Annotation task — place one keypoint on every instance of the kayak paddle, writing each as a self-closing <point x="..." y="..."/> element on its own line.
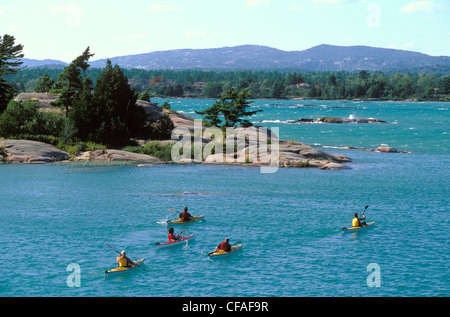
<point x="367" y="206"/>
<point x="171" y="209"/>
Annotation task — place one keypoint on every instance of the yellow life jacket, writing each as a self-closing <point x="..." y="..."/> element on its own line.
<point x="123" y="262"/>
<point x="355" y="222"/>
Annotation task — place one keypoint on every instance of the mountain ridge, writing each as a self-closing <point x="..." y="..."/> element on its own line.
<point x="324" y="57"/>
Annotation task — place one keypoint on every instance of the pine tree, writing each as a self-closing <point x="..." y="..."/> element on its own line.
<point x="231" y="108"/>
<point x="115" y="106"/>
<point x="44" y="84"/>
<point x="71" y="80"/>
<point x="10" y="55"/>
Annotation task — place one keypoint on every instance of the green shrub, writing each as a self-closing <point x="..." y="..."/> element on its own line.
<point x="153" y="148"/>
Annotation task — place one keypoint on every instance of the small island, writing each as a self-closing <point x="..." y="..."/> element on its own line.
<point x="291" y="153"/>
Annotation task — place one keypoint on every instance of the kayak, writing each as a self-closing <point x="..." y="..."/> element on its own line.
<point x="354" y="229"/>
<point x="179" y="221"/>
<point x="122" y="269"/>
<point x="222" y="254"/>
<point x="173" y="243"/>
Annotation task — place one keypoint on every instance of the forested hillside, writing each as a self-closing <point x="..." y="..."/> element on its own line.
<point x="261" y="84"/>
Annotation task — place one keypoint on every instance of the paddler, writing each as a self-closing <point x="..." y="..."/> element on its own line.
<point x="123" y="260"/>
<point x="172" y="236"/>
<point x="224" y="246"/>
<point x="185" y="216"/>
<point x="356" y="222"/>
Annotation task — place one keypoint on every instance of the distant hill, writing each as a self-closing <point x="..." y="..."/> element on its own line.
<point x="254" y="57"/>
<point x="48" y="63"/>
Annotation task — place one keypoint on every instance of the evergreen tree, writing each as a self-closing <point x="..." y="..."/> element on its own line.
<point x="278" y="90"/>
<point x="232" y="108"/>
<point x="71" y="81"/>
<point x="115" y="107"/>
<point x="44" y="84"/>
<point x="212" y="90"/>
<point x="10" y="55"/>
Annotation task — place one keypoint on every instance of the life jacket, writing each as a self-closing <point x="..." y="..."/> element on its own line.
<point x="185" y="216"/>
<point x="172" y="237"/>
<point x="355" y="222"/>
<point x="225" y="246"/>
<point x="122" y="261"/>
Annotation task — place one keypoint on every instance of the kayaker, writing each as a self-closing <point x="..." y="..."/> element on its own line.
<point x="173" y="237"/>
<point x="123" y="260"/>
<point x="224" y="246"/>
<point x="185" y="216"/>
<point x="356" y="222"/>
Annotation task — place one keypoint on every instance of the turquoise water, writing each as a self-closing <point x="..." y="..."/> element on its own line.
<point x="52" y="216"/>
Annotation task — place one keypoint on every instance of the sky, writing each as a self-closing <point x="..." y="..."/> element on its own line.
<point x="61" y="30"/>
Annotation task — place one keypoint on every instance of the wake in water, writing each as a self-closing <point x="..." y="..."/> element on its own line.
<point x="163" y="222"/>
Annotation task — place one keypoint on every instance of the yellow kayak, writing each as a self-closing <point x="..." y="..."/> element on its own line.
<point x="353" y="229"/>
<point x="123" y="269"/>
<point x="179" y="221"/>
<point x="221" y="253"/>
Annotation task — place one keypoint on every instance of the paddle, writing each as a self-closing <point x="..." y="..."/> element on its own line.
<point x="121" y="253"/>
<point x="365" y="209"/>
<point x="171" y="209"/>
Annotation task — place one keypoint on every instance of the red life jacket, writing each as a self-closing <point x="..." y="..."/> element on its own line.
<point x="172" y="237"/>
<point x="225" y="246"/>
<point x="185" y="216"/>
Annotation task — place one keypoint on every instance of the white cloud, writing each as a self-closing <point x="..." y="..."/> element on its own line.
<point x="193" y="33"/>
<point x="157" y="7"/>
<point x="255" y="3"/>
<point x="3" y="9"/>
<point x="418" y="6"/>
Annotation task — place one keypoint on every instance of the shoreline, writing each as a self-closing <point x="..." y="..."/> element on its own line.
<point x="290" y="154"/>
<point x="312" y="99"/>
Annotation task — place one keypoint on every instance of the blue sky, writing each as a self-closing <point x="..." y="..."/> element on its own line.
<point x="63" y="29"/>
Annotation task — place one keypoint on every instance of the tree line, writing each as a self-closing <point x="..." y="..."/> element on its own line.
<point x="261" y="84"/>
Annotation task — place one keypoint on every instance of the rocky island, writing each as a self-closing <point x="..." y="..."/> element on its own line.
<point x="291" y="153"/>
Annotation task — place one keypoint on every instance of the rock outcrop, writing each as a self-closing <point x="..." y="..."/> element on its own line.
<point x="43" y="100"/>
<point x="387" y="149"/>
<point x="115" y="155"/>
<point x="31" y="152"/>
<point x="337" y="120"/>
<point x="290" y="153"/>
